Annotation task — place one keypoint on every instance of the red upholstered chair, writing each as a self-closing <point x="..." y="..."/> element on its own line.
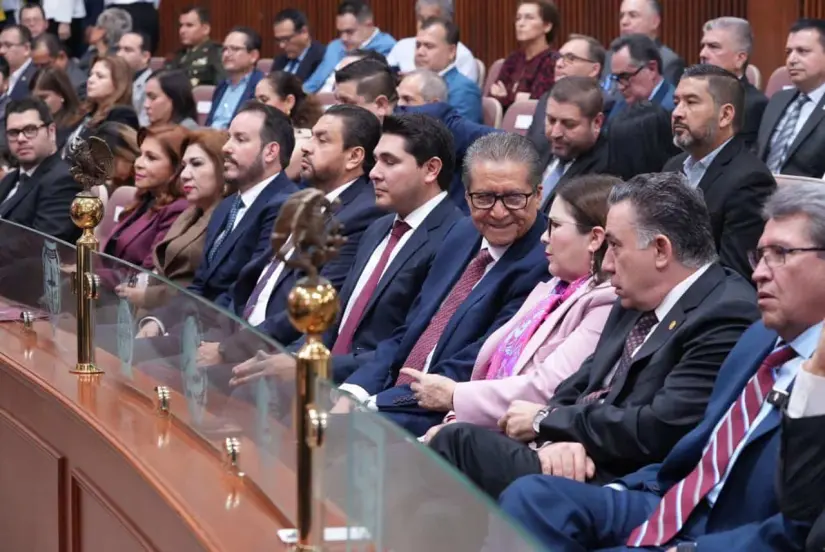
<point x="779" y="80"/>
<point x="492" y="76"/>
<point x="203" y="100"/>
<point x="754" y="76"/>
<point x="121" y="197"/>
<point x="482" y="72"/>
<point x="156" y="63"/>
<point x="326" y="99"/>
<point x="265" y="65"/>
<point x="519" y="116"/>
<point x="492" y="110"/>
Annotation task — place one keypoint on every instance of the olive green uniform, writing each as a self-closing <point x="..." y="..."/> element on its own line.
<point x="202" y="63"/>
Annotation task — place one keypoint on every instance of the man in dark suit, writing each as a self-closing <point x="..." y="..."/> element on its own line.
<point x="636" y="67"/>
<point x="241" y="52"/>
<point x="336" y="161"/>
<point x="706" y="123"/>
<point x="301" y="54"/>
<point x="16" y="47"/>
<point x="792" y="133"/>
<point x="260" y="145"/>
<point x="580" y="56"/>
<point x="485" y="268"/>
<point x="647" y="384"/>
<point x="574" y="130"/>
<point x="727" y="43"/>
<point x="39" y="193"/>
<point x="414" y="162"/>
<point x="716" y="489"/>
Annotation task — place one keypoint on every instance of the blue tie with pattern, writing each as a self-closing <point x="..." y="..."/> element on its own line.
<point x="227" y="229"/>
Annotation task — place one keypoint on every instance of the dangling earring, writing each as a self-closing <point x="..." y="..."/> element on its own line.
<point x="592" y="264"/>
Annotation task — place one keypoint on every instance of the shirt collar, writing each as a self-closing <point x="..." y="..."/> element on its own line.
<point x="677" y="292"/>
<point x="656" y="89"/>
<point x="496" y="251"/>
<point x="336" y="193"/>
<point x="243" y="82"/>
<point x="417" y="217"/>
<point x="446" y="70"/>
<point x="303" y="54"/>
<point x="371" y="38"/>
<point x="248" y="197"/>
<point x="816" y="94"/>
<point x="806" y="342"/>
<point x="704" y="162"/>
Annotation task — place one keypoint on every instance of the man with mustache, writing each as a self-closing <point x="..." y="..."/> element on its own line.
<point x="707" y="118"/>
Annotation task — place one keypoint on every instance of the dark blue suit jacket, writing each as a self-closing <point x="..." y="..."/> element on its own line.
<point x="308" y="65"/>
<point x="746" y="514"/>
<point x="356" y="212"/>
<point x="663" y="97"/>
<point x="492" y="302"/>
<point x="397" y="288"/>
<point x="464" y="132"/>
<point x="248" y="94"/>
<point x="21" y="88"/>
<point x="249" y="239"/>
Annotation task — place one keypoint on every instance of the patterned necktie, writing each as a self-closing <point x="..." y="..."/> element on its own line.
<point x="228" y="227"/>
<point x="552" y="180"/>
<point x="678" y="503"/>
<point x="783" y="135"/>
<point x="344" y="341"/>
<point x="259" y="288"/>
<point x="634" y="340"/>
<point x="461" y="290"/>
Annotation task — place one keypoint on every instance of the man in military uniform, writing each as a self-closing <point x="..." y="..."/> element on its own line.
<point x="200" y="57"/>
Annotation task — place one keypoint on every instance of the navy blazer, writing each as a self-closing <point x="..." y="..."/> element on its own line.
<point x="248" y="94"/>
<point x="663" y="97"/>
<point x="492" y="302"/>
<point x="397" y="288"/>
<point x="248" y="240"/>
<point x="746" y="513"/>
<point x="308" y="65"/>
<point x="357" y="210"/>
<point x="21" y="87"/>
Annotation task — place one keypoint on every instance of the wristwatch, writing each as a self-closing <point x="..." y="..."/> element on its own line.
<point x="540" y="415"/>
<point x="686" y="547"/>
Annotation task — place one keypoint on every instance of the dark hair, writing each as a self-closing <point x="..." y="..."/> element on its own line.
<point x="587" y="198"/>
<point x="360" y="9"/>
<point x="4" y="68"/>
<point x="374" y="55"/>
<point x="211" y="141"/>
<point x="665" y="204"/>
<point x="202" y="13"/>
<point x="171" y="139"/>
<point x="51" y="43"/>
<point x="549" y="13"/>
<point x="451" y="33"/>
<point x="175" y="84"/>
<point x="642" y="49"/>
<point x="29" y="103"/>
<point x="374" y="79"/>
<point x="809" y="24"/>
<point x="32" y="6"/>
<point x="361" y="128"/>
<point x="276" y="127"/>
<point x="640" y="140"/>
<point x="723" y="86"/>
<point x="425" y="138"/>
<point x="55" y="80"/>
<point x="24" y="33"/>
<point x="595" y="49"/>
<point x="145" y="40"/>
<point x="298" y="18"/>
<point x="584" y="92"/>
<point x="307" y="108"/>
<point x="253" y="39"/>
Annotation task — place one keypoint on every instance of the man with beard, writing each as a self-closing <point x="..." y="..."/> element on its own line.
<point x="706" y="120"/>
<point x="573" y="129"/>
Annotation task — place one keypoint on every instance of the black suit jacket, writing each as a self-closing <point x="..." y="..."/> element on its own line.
<point x="805" y="156"/>
<point x="736" y="186"/>
<point x="397" y="289"/>
<point x="21" y="87"/>
<point x="802" y="475"/>
<point x="594" y="161"/>
<point x="755" y="104"/>
<point x="664" y="393"/>
<point x="43" y="201"/>
<point x="308" y="64"/>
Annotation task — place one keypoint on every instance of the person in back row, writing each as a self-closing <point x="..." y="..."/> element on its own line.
<point x="241" y="52"/>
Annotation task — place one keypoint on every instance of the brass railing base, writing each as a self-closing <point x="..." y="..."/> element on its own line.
<point x="85" y="368"/>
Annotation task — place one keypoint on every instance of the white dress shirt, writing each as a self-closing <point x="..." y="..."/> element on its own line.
<point x="63" y="11"/>
<point x="402" y="56"/>
<point x="361" y="394"/>
<point x="258" y="314"/>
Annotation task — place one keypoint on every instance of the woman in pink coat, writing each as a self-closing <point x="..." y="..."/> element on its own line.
<point x="555" y="330"/>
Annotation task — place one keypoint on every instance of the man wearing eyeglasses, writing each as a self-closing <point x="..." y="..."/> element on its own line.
<point x="636" y="68"/>
<point x="16" y="47"/>
<point x="483" y="272"/>
<point x="301" y="54"/>
<point x="38" y="194"/>
<point x="241" y="52"/>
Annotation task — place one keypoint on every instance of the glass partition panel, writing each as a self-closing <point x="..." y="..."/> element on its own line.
<point x="383" y="490"/>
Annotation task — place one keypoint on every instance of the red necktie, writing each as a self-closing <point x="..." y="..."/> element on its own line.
<point x="344" y="341"/>
<point x="461" y="290"/>
<point x="678" y="503"/>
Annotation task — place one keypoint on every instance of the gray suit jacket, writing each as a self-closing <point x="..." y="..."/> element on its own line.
<point x="804" y="157"/>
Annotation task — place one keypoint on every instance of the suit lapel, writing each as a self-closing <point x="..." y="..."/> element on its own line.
<point x="610" y="351"/>
<point x="771" y="119"/>
<point x="813" y="121"/>
<point x="6" y="187"/>
<point x="191" y="233"/>
<point x="718" y="165"/>
<point x="361" y="263"/>
<point x="26" y="188"/>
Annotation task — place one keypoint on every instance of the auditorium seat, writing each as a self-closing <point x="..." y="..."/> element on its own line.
<point x="778" y="81"/>
<point x="120" y="198"/>
<point x="789" y="179"/>
<point x="519" y="116"/>
<point x="156" y="63"/>
<point x="203" y="100"/>
<point x="482" y="72"/>
<point x="265" y="65"/>
<point x="754" y="76"/>
<point x="326" y="99"/>
<point x="492" y="76"/>
<point x="493" y="111"/>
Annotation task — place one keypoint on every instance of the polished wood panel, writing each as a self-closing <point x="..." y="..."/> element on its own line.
<point x="770" y="21"/>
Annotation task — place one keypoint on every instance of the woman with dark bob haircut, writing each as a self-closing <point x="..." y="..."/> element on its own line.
<point x="52" y="85"/>
<point x="169" y="100"/>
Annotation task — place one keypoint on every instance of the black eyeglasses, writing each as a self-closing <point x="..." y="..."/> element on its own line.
<point x="285" y="39"/>
<point x="624" y="78"/>
<point x="569" y="58"/>
<point x="775" y="255"/>
<point x="29" y="131"/>
<point x="513" y="201"/>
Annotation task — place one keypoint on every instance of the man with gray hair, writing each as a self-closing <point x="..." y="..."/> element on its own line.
<point x="648" y="383"/>
<point x="716" y="489"/>
<point x="104" y="37"/>
<point x="486" y="267"/>
<point x="421" y="87"/>
<point x="727" y="42"/>
<point x="403" y="53"/>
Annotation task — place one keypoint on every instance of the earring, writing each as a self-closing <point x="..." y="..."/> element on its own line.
<point x="592" y="264"/>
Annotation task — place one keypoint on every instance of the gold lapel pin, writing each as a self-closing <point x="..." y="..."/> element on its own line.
<point x="672" y="325"/>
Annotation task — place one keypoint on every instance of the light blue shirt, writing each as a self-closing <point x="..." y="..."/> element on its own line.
<point x="228" y="103"/>
<point x="695" y="170"/>
<point x="656" y="89"/>
<point x="381" y="42"/>
<point x="293" y="64"/>
<point x="804" y="345"/>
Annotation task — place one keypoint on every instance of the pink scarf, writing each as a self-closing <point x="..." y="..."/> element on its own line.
<point x="509" y="350"/>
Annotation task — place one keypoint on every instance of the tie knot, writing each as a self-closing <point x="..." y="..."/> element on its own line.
<point x="802" y="99"/>
<point x="483" y="258"/>
<point x="647" y="321"/>
<point x="399" y="228"/>
<point x="779" y="357"/>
